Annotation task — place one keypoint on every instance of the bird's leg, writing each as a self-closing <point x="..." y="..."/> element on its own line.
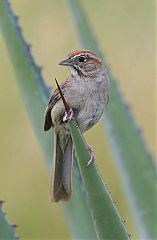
<point x="92" y="156"/>
<point x="69" y="115"/>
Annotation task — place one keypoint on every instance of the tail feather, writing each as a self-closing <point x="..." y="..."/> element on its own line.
<point x="67" y="165"/>
<point x="62" y="165"/>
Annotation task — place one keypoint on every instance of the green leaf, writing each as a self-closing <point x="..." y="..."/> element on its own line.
<point x="35" y="94"/>
<point x="135" y="163"/>
<point x="106" y="219"/>
<point x="7" y="231"/>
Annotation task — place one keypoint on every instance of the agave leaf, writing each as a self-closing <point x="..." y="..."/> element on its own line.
<point x="105" y="216"/>
<point x="7" y="230"/>
<point x="134" y="161"/>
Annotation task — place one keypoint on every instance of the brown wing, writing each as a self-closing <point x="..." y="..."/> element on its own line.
<point x="54" y="98"/>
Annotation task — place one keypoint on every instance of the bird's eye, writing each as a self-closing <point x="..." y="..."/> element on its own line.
<point x="81" y="59"/>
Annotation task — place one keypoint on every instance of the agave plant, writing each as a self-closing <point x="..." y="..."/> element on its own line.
<point x="96" y="216"/>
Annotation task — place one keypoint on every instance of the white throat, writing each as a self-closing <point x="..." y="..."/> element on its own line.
<point x="73" y="71"/>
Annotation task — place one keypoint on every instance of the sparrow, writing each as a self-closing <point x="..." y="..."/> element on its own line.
<point x="86" y="92"/>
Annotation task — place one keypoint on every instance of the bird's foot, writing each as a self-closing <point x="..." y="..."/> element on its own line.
<point x="92" y="156"/>
<point x="69" y="115"/>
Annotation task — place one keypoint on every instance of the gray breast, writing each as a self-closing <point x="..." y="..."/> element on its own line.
<point x="88" y="100"/>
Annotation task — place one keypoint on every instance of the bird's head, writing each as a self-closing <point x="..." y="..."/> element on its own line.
<point x="83" y="62"/>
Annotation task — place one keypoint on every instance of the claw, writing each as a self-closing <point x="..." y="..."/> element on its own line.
<point x="69" y="115"/>
<point x="92" y="156"/>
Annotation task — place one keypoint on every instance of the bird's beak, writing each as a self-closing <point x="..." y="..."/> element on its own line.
<point x="66" y="62"/>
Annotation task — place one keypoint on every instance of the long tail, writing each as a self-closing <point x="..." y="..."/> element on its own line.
<point x="61" y="186"/>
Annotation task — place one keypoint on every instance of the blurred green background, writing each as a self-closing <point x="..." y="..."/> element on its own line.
<point x="126" y="32"/>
